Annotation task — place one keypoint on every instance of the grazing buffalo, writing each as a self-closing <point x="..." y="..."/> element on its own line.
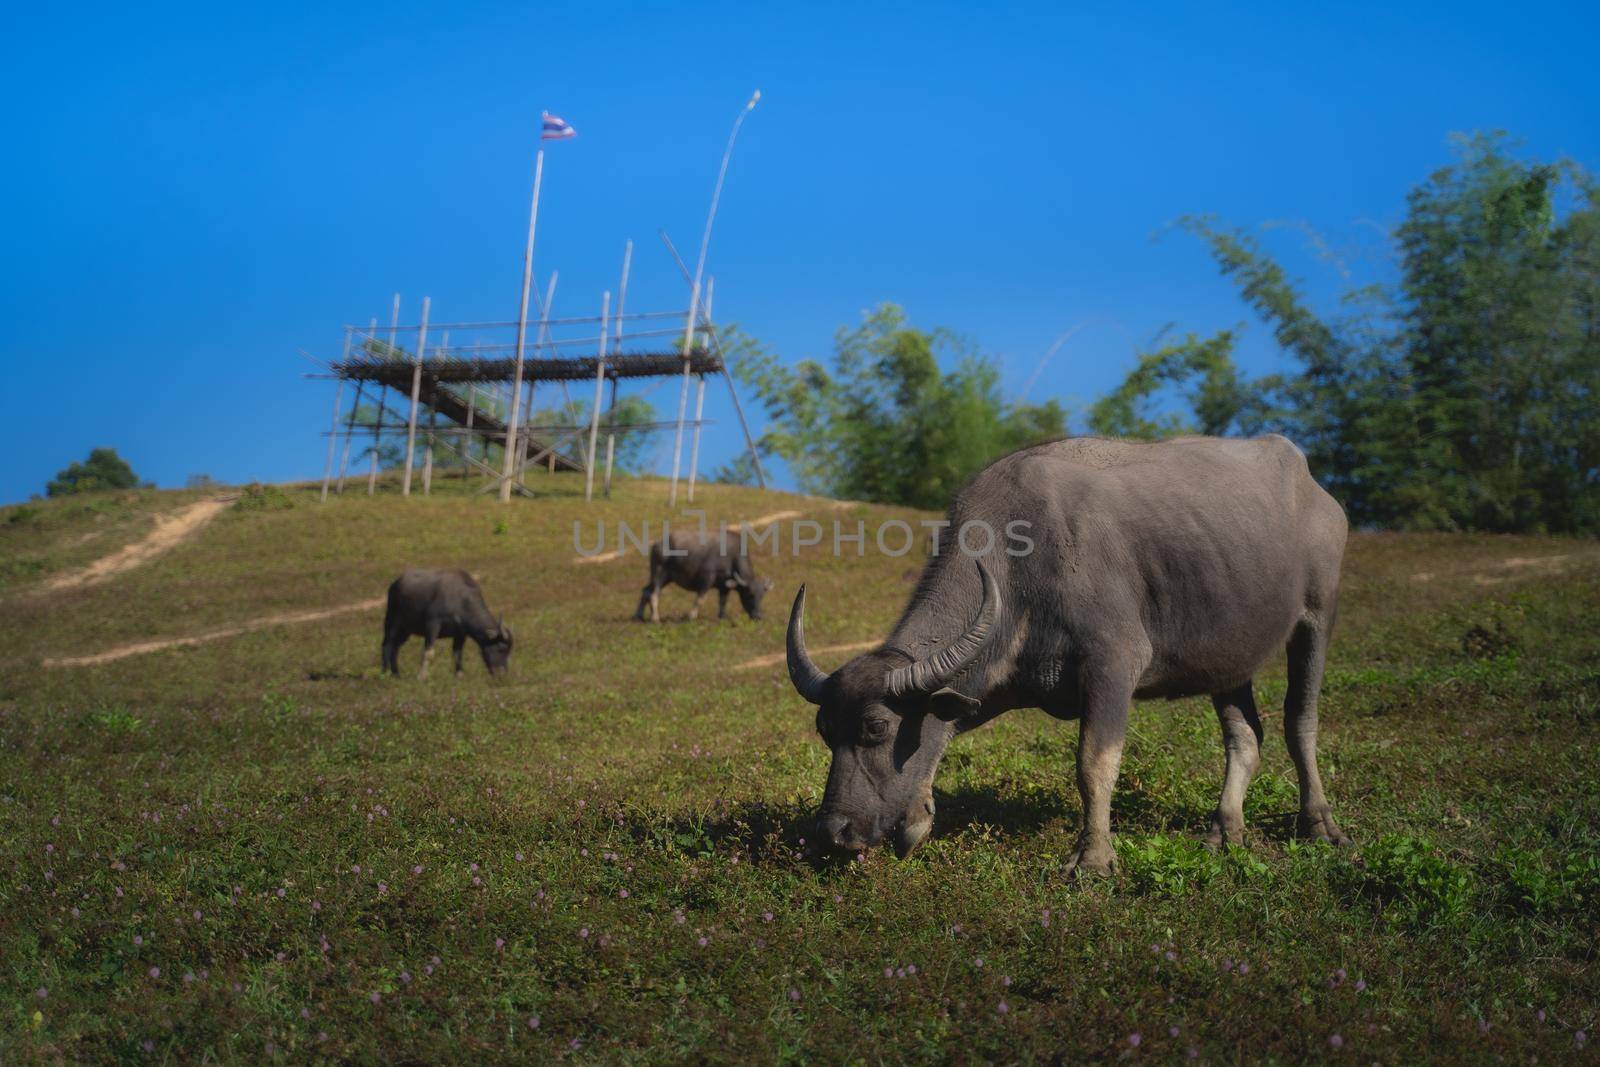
<point x="435" y="603"/>
<point x="700" y="563"/>
<point x="1168" y="569"/>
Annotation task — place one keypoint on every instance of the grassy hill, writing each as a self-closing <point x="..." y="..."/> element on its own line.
<point x="254" y="847"/>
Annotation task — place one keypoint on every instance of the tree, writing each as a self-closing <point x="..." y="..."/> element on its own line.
<point x="104" y="469"/>
<point x="1221" y="402"/>
<point x="633" y="449"/>
<point x="1462" y="396"/>
<point x="904" y="416"/>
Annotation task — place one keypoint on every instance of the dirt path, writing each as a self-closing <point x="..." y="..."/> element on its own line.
<point x="1503" y="570"/>
<point x="827" y="650"/>
<point x="171" y="531"/>
<point x="140" y="648"/>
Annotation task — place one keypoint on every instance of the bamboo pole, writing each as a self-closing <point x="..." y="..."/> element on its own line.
<point x="599" y="386"/>
<point x="522" y="325"/>
<point x="472" y="410"/>
<point x="350" y="427"/>
<point x="433" y="422"/>
<point x="383" y="395"/>
<point x="333" y="428"/>
<point x="611" y="447"/>
<point x="525" y="445"/>
<point x="611" y="436"/>
<point x="416" y="390"/>
<point x="683" y="390"/>
<point x="700" y="399"/>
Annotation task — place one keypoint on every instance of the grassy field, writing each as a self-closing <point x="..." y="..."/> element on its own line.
<point x="257" y="848"/>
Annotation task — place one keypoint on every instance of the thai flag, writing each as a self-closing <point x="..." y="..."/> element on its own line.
<point x="556" y="128"/>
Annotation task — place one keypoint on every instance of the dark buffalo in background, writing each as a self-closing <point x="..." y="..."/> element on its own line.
<point x="442" y="603"/>
<point x="700" y="563"/>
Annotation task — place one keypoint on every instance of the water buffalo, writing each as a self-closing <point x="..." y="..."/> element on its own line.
<point x="434" y="603"/>
<point x="700" y="563"/>
<point x="1167" y="569"/>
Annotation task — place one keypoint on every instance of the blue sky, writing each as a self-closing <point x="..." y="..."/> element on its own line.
<point x="197" y="192"/>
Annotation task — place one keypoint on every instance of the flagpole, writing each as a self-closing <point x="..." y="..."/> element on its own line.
<point x="512" y="449"/>
<point x="694" y="290"/>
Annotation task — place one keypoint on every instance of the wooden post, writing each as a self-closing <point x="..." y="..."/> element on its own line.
<point x="622" y="292"/>
<point x="466" y="452"/>
<point x="416" y="390"/>
<point x="611" y="437"/>
<point x="333" y="429"/>
<point x="383" y="395"/>
<point x="599" y="385"/>
<point x="433" y="422"/>
<point x="700" y="399"/>
<point x="694" y="450"/>
<point x="350" y="427"/>
<point x="683" y="390"/>
<point x="522" y="328"/>
<point x="611" y="443"/>
<point x="525" y="446"/>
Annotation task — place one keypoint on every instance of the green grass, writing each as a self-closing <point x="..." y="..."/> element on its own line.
<point x="609" y="840"/>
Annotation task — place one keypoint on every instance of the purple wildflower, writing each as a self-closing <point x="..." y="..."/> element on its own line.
<point x="1134" y="1039"/>
<point x="1002" y="1008"/>
<point x="1336" y="1041"/>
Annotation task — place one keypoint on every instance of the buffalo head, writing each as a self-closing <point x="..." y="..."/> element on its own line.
<point x="887" y="722"/>
<point x="750" y="593"/>
<point x="496" y="648"/>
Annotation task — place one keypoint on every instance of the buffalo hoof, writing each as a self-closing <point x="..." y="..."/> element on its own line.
<point x="1092" y="857"/>
<point x="1318" y="825"/>
<point x="1224" y="832"/>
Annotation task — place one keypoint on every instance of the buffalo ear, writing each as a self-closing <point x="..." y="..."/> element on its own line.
<point x="951" y="706"/>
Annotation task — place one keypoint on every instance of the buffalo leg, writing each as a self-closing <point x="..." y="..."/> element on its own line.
<point x="722" y="603"/>
<point x="1308" y="653"/>
<point x="391" y="652"/>
<point x="428" y="638"/>
<point x="694" y="612"/>
<point x="1101" y="735"/>
<point x="1241" y="741"/>
<point x="455" y="650"/>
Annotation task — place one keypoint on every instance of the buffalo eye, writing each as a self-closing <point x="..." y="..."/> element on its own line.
<point x="874" y="730"/>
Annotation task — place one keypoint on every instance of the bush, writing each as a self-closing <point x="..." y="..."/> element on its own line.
<point x="104" y="469"/>
<point x="258" y="497"/>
